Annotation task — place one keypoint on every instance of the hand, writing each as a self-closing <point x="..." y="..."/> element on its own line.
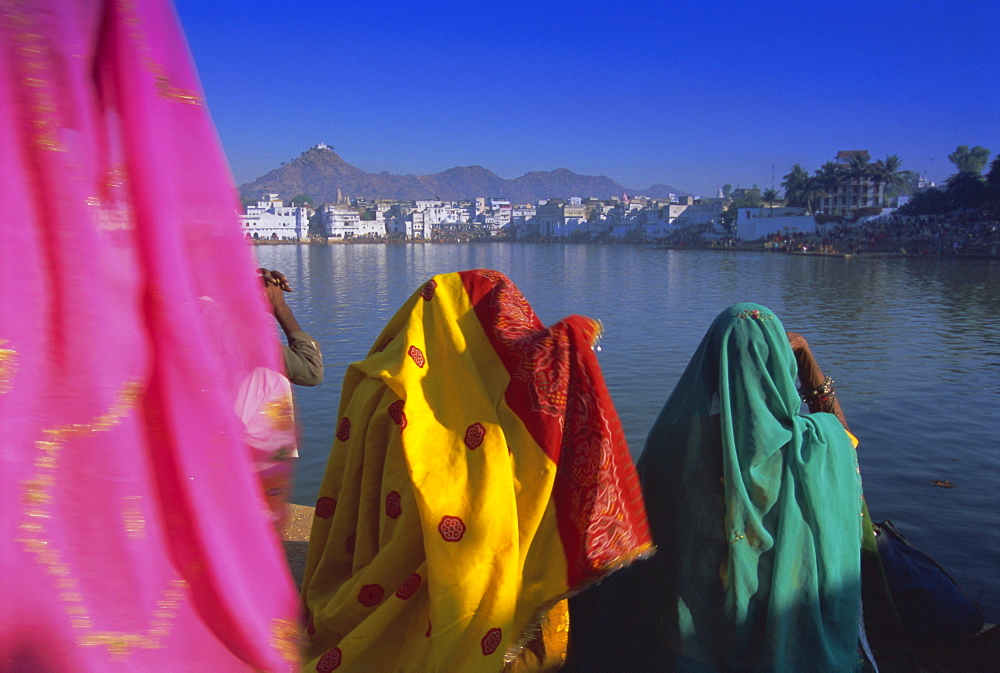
<point x="273" y="277"/>
<point x="275" y="287"/>
<point x="275" y="295"/>
<point x="811" y="377"/>
<point x="810" y="374"/>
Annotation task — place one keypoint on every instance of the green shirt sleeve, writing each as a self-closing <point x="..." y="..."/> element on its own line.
<point x="303" y="360"/>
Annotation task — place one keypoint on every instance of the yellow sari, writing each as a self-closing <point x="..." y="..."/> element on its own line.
<point x="479" y="475"/>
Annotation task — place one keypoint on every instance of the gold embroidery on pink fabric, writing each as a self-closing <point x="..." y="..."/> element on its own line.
<point x="115" y="209"/>
<point x="285" y="639"/>
<point x="120" y="644"/>
<point x="8" y="367"/>
<point x="164" y="85"/>
<point x="33" y="60"/>
<point x="33" y="535"/>
<point x="135" y="522"/>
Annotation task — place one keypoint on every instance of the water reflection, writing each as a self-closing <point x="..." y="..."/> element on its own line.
<point x="912" y="343"/>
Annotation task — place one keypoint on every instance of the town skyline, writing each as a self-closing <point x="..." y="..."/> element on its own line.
<point x="694" y="98"/>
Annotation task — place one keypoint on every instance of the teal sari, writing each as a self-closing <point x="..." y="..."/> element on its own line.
<point x="756" y="510"/>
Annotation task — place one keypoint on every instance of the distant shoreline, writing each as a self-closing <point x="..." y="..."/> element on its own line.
<point x="757" y="247"/>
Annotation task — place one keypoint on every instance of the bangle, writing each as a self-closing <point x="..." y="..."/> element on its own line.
<point x="825" y="389"/>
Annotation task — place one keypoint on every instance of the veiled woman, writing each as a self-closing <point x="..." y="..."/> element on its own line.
<point x="479" y="475"/>
<point x="756" y="510"/>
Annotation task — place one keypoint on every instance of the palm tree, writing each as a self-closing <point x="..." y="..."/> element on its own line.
<point x="827" y="178"/>
<point x="812" y="191"/>
<point x="889" y="172"/>
<point x="857" y="172"/>
<point x="769" y="195"/>
<point x="793" y="184"/>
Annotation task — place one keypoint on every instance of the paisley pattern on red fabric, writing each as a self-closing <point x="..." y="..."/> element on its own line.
<point x="451" y="528"/>
<point x="325" y="507"/>
<point x="554" y="371"/>
<point x="474" y="435"/>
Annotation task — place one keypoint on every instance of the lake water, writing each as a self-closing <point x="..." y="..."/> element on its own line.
<point x="913" y="343"/>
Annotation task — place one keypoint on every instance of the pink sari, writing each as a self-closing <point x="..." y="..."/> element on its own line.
<point x="135" y="534"/>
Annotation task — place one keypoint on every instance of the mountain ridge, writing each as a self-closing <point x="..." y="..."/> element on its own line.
<point x="320" y="172"/>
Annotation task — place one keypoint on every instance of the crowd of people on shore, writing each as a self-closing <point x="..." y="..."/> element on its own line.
<point x="973" y="234"/>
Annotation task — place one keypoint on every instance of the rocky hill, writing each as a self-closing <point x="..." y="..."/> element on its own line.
<point x="319" y="172"/>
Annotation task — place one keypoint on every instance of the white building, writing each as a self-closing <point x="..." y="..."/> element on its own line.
<point x="417" y="226"/>
<point x="498" y="217"/>
<point x="372" y="228"/>
<point x="755" y="223"/>
<point x="521" y="213"/>
<point x="272" y="220"/>
<point x="343" y="221"/>
<point x="444" y="214"/>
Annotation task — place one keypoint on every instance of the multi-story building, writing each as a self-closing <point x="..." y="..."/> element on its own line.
<point x="520" y="213"/>
<point x="272" y="220"/>
<point x="341" y="221"/>
<point x="437" y="213"/>
<point x="853" y="191"/>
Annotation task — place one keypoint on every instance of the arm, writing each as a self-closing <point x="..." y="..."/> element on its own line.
<point x="819" y="394"/>
<point x="282" y="313"/>
<point x="303" y="359"/>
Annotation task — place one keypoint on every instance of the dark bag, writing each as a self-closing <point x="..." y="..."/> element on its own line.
<point x="932" y="607"/>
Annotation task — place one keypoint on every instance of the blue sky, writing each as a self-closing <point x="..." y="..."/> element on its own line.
<point x="691" y="94"/>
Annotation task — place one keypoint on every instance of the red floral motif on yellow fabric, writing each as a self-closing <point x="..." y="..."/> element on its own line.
<point x="393" y="505"/>
<point x="417" y="355"/>
<point x="451" y="528"/>
<point x="330" y="661"/>
<point x="325" y="507"/>
<point x="344" y="429"/>
<point x="428" y="292"/>
<point x="474" y="436"/>
<point x="491" y="641"/>
<point x="409" y="587"/>
<point x="371" y="595"/>
<point x="397" y="414"/>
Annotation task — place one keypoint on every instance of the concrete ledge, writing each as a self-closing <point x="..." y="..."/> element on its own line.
<point x="295" y="537"/>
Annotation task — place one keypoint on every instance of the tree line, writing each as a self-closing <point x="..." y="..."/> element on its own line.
<point x="966" y="189"/>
